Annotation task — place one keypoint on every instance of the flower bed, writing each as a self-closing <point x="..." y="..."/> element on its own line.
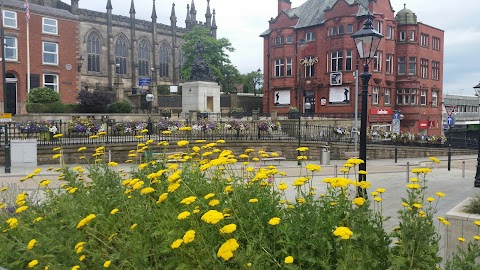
<point x="204" y="214"/>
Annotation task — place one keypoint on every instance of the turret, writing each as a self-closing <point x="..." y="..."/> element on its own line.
<point x="188" y="20"/>
<point x="193" y="14"/>
<point x="208" y="16"/>
<point x="214" y="26"/>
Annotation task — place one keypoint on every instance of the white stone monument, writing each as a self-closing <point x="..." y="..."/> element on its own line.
<point x="201" y="96"/>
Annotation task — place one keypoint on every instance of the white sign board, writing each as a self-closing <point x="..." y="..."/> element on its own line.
<point x="282" y="97"/>
<point x="339" y="95"/>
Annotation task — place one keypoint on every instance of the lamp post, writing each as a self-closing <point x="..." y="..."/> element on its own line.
<point x="150" y="97"/>
<point x="8" y="160"/>
<point x="366" y="40"/>
<point x="301" y="44"/>
<point x="477" y="175"/>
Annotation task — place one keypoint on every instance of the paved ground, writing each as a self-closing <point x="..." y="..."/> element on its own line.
<point x="457" y="183"/>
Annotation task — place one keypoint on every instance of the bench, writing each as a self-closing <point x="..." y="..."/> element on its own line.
<point x="272" y="156"/>
<point x="170" y="157"/>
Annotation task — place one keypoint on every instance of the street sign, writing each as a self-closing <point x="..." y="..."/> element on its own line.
<point x="6" y="117"/>
<point x="396" y="126"/>
<point x="450" y="121"/>
<point x="396" y="115"/>
<point x="144" y="81"/>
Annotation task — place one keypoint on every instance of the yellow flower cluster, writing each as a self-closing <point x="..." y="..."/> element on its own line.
<point x="443" y="220"/>
<point x="313" y="167"/>
<point x="343" y="232"/>
<point x="226" y="249"/>
<point x="338" y="182"/>
<point x="421" y="170"/>
<point x="85" y="221"/>
<point x="189" y="236"/>
<point x="274" y="221"/>
<point x="212" y="217"/>
<point x="230" y="228"/>
<point x="189" y="200"/>
<point x="354" y="161"/>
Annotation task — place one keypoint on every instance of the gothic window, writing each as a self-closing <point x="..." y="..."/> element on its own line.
<point x="143" y="56"/>
<point x="121" y="56"/>
<point x="93" y="52"/>
<point x="164" y="60"/>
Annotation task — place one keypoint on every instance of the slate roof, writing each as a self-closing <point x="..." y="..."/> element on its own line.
<point x="38" y="9"/>
<point x="312" y="12"/>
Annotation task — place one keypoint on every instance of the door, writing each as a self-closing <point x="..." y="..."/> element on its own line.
<point x="11" y="93"/>
<point x="209" y="104"/>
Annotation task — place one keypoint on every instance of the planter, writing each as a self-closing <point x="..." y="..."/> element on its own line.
<point x="461" y="225"/>
<point x="293" y="115"/>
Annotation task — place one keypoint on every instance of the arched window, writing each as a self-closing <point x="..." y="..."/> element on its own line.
<point x="93" y="52"/>
<point x="121" y="56"/>
<point x="164" y="60"/>
<point x="143" y="56"/>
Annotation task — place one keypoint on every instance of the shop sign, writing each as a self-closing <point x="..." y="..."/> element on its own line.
<point x="381" y="111"/>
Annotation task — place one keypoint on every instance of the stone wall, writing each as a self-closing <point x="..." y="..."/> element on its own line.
<point x="288" y="148"/>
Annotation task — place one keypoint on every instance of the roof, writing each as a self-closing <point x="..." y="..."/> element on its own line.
<point x="38" y="9"/>
<point x="312" y="12"/>
<point x="406" y="16"/>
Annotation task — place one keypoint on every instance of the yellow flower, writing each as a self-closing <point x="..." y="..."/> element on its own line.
<point x="359" y="201"/>
<point x="476" y="237"/>
<point x="133" y="226"/>
<point x="417" y="205"/>
<point x="274" y="221"/>
<point x="434" y="159"/>
<point x="12" y="223"/>
<point x="182" y="143"/>
<point x="253" y="200"/>
<point x="461" y="239"/>
<point x="302" y="149"/>
<point x="76" y="267"/>
<point x="288" y="260"/>
<point x="214" y="202"/>
<point x="114" y="211"/>
<point x="57" y="135"/>
<point x="381" y="190"/>
<point x="354" y="161"/>
<point x="147" y="190"/>
<point x="413" y="186"/>
<point x="38" y="219"/>
<point x="208" y="196"/>
<point x="112" y="164"/>
<point x="21" y="209"/>
<point x="228" y="189"/>
<point x="85" y="221"/>
<point x="212" y="217"/>
<point x="102" y="133"/>
<point x="56" y="156"/>
<point x="362" y="172"/>
<point x="32" y="264"/>
<point x="81" y="258"/>
<point x="106" y="264"/>
<point x="228" y="228"/>
<point x="226" y="249"/>
<point x="313" y="167"/>
<point x="183" y="215"/>
<point x="44" y="183"/>
<point x="83" y="148"/>
<point x="177" y="243"/>
<point x="189" y="200"/>
<point x="282" y="186"/>
<point x="477" y="222"/>
<point x="93" y="137"/>
<point x="31" y="244"/>
<point x="144" y="131"/>
<point x="78" y="246"/>
<point x="440" y="194"/>
<point x="343" y="232"/>
<point x="162" y="197"/>
<point x="430" y="199"/>
<point x="189" y="236"/>
<point x="3" y="188"/>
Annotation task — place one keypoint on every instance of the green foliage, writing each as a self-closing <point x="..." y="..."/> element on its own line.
<point x="215" y="55"/>
<point x="151" y="198"/>
<point x="54" y="107"/>
<point x="473" y="206"/>
<point x="163" y="90"/>
<point x="57" y="107"/>
<point x="466" y="258"/>
<point x="95" y="102"/>
<point x="42" y="95"/>
<point x="251" y="80"/>
<point x="120" y="107"/>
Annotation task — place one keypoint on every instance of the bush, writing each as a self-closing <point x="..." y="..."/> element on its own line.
<point x="206" y="215"/>
<point x="54" y="107"/>
<point x="95" y="102"/>
<point x="72" y="108"/>
<point x="473" y="206"/>
<point x="43" y="95"/>
<point x="35" y="107"/>
<point x="120" y="107"/>
<point x="57" y="107"/>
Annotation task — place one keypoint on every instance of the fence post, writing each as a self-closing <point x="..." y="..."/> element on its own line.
<point x="408" y="172"/>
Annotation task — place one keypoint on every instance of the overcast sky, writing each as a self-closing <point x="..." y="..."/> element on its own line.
<point x="241" y="21"/>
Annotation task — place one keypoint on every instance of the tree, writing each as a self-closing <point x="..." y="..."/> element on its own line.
<point x="253" y="82"/>
<point x="95" y="102"/>
<point x="215" y="54"/>
<point x="231" y="77"/>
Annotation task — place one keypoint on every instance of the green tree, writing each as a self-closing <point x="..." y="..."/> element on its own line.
<point x="231" y="77"/>
<point x="215" y="55"/>
<point x="42" y="95"/>
<point x="253" y="82"/>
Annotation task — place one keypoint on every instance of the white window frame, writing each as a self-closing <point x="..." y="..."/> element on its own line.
<point x="336" y="61"/>
<point x="6" y="19"/>
<point x="424" y="38"/>
<point x="378" y="26"/>
<point x="289" y="39"/>
<point x="412" y="35"/>
<point x="423" y="97"/>
<point x="402" y="63"/>
<point x="424" y="68"/>
<point x="389" y="64"/>
<point x="435" y="70"/>
<point x="279" y="68"/>
<point x="412" y="65"/>
<point x="348" y="60"/>
<point x="387" y="97"/>
<point x="435" y="43"/>
<point x="55" y="85"/>
<point x="402" y="35"/>
<point x="289" y="67"/>
<point x="375" y="92"/>
<point x="413" y="96"/>
<point x="434" y="98"/>
<point x="390" y="32"/>
<point x="49" y="52"/>
<point x="377" y="61"/>
<point x="14" y="49"/>
<point x="49" y="23"/>
<point x="309" y="36"/>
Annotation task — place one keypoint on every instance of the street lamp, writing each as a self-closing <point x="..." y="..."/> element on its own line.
<point x="150" y="97"/>
<point x="477" y="175"/>
<point x="366" y="40"/>
<point x="301" y="44"/>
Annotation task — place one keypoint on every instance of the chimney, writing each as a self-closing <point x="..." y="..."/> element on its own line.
<point x="284" y="5"/>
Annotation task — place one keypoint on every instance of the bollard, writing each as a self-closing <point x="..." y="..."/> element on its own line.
<point x="109" y="155"/>
<point x="463" y="169"/>
<point x="335" y="172"/>
<point x="396" y="152"/>
<point x="408" y="172"/>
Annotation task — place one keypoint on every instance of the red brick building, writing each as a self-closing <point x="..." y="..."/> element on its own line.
<point x="318" y="77"/>
<point x="53" y="53"/>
